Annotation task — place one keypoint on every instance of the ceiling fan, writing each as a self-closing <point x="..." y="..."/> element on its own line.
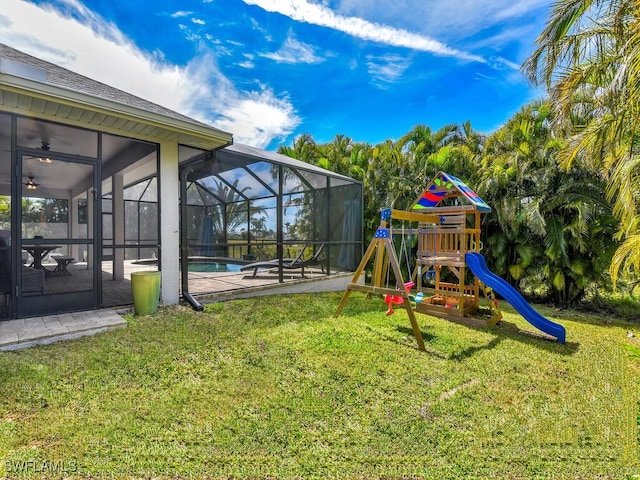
<point x="45" y="147"/>
<point x="30" y="184"/>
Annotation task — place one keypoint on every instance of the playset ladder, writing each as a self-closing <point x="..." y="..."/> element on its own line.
<point x="494" y="307"/>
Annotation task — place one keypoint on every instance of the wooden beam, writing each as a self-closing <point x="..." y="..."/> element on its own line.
<point x="415" y="217"/>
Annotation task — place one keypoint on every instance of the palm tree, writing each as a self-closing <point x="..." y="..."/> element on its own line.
<point x="588" y="56"/>
<point x="336" y="155"/>
<point x="551" y="227"/>
<point x="304" y="149"/>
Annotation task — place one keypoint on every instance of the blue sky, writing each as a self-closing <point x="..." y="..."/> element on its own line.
<point x="269" y="70"/>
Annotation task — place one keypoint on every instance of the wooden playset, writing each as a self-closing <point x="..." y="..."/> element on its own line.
<point x="440" y="228"/>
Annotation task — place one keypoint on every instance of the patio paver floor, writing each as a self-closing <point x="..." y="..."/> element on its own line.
<point x="28" y="332"/>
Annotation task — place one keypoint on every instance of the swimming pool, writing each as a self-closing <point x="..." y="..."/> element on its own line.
<point x="214" y="267"/>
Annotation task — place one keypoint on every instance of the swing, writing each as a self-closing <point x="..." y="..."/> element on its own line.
<point x="417" y="298"/>
<point x="404" y="249"/>
<point x="397" y="299"/>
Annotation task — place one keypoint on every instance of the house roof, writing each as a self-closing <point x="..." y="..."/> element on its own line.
<point x="446" y="186"/>
<point x="35" y="87"/>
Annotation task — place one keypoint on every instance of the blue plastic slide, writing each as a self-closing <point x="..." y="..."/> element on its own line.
<point x="475" y="261"/>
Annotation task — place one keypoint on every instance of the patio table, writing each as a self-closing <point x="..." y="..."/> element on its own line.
<point x="38" y="252"/>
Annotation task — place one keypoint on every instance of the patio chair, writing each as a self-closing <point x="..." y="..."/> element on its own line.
<point x="287" y="263"/>
<point x="272" y="263"/>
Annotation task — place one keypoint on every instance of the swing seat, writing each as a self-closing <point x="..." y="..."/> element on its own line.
<point x="390" y="300"/>
<point x="417" y="298"/>
<point x="397" y="299"/>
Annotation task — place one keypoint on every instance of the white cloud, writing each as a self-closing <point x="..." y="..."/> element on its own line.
<point x="315" y="14"/>
<point x="85" y="43"/>
<point x="259" y="116"/>
<point x="519" y="8"/>
<point x="501" y="63"/>
<point x="449" y="19"/>
<point x="294" y="51"/>
<point x="189" y="34"/>
<point x="198" y="21"/>
<point x="181" y="13"/>
<point x="248" y="63"/>
<point x="387" y="69"/>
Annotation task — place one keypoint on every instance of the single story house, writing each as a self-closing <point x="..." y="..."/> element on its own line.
<point x="96" y="183"/>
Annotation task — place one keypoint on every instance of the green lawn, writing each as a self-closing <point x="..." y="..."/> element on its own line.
<point x="275" y="387"/>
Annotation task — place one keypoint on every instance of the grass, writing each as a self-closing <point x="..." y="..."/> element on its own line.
<point x="275" y="387"/>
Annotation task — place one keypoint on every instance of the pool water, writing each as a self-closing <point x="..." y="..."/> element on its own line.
<point x="214" y="267"/>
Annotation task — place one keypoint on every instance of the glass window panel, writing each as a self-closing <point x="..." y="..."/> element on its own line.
<point x="151" y="193"/>
<point x="316" y="180"/>
<point x="135" y="192"/>
<point x="267" y="172"/>
<point x="131" y="221"/>
<point x="34" y="133"/>
<point x="206" y="196"/>
<point x="270" y="202"/>
<point x="83" y="212"/>
<point x="291" y="182"/>
<point x="107" y="227"/>
<point x="263" y="220"/>
<point x="219" y="190"/>
<point x="237" y="220"/>
<point x="345" y="226"/>
<point x="195" y="215"/>
<point x="57" y="282"/>
<point x="80" y="228"/>
<point x="132" y="253"/>
<point x="45" y="217"/>
<point x="299" y="219"/>
<point x="107" y="205"/>
<point x="336" y="182"/>
<point x="148" y="221"/>
<point x="245" y="183"/>
<point x="193" y="195"/>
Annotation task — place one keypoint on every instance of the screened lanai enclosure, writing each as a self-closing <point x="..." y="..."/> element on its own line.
<point x="81" y="211"/>
<point x="253" y="217"/>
